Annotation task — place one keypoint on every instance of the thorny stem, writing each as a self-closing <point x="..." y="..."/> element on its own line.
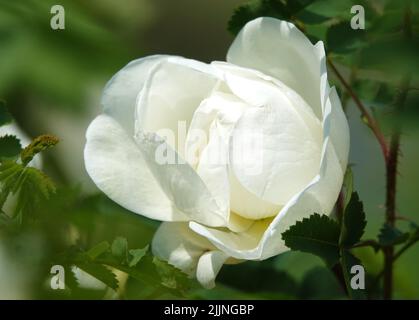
<point x="371" y="122"/>
<point x="391" y="154"/>
<point x="397" y="255"/>
<point x="391" y="170"/>
<point x="391" y="177"/>
<point x="340" y="206"/>
<point x="367" y="243"/>
<point x="337" y="269"/>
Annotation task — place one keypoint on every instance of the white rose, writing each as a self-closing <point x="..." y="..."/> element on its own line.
<point x="274" y="83"/>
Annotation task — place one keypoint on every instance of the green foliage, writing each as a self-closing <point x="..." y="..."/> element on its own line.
<point x="100" y="272"/>
<point x="119" y="248"/>
<point x="102" y="260"/>
<point x="348" y="184"/>
<point x="261" y="278"/>
<point x="353" y="223"/>
<point x="57" y="66"/>
<point x="390" y="236"/>
<point x="34" y="187"/>
<point x="38" y="145"/>
<point x="29" y="185"/>
<point x="137" y="255"/>
<point x="5" y="116"/>
<point x="341" y="38"/>
<point x="170" y="276"/>
<point x="320" y="283"/>
<point x="98" y="250"/>
<point x="9" y="147"/>
<point x="266" y="8"/>
<point x="71" y="281"/>
<point x="347" y="261"/>
<point x="318" y="235"/>
<point x="324" y="237"/>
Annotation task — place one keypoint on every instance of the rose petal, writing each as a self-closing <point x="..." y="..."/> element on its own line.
<point x="275" y="160"/>
<point x="173" y="91"/>
<point x="181" y="184"/>
<point x="120" y="93"/>
<point x="319" y="197"/>
<point x="241" y="245"/>
<point x="209" y="265"/>
<point x="181" y="247"/>
<point x="246" y="204"/>
<point x="116" y="165"/>
<point x="175" y="243"/>
<point x="279" y="49"/>
<point x="339" y="129"/>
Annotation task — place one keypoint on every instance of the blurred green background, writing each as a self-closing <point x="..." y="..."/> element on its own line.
<point x="52" y="82"/>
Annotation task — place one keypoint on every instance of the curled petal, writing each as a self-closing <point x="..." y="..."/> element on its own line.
<point x="180" y="183"/>
<point x="116" y="165"/>
<point x="339" y="129"/>
<point x="186" y="250"/>
<point x="209" y="265"/>
<point x="279" y="49"/>
<point x="120" y="93"/>
<point x="170" y="96"/>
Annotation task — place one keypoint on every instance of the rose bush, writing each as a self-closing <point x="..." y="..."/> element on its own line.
<point x="274" y="85"/>
<point x="13" y="130"/>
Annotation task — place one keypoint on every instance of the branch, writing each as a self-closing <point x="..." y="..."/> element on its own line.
<point x="367" y="243"/>
<point x="402" y="250"/>
<point x="372" y="123"/>
<point x="391" y="177"/>
<point x="391" y="167"/>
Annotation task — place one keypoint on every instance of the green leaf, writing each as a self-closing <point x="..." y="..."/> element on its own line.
<point x="390" y="236"/>
<point x="348" y="183"/>
<point x="137" y="255"/>
<point x="35" y="187"/>
<point x="246" y="13"/>
<point x="353" y="223"/>
<point x="98" y="250"/>
<point x="342" y="39"/>
<point x="320" y="283"/>
<point x="414" y="229"/>
<point x="265" y="8"/>
<point x="170" y="276"/>
<point x="38" y="145"/>
<point x="309" y="17"/>
<point x="70" y="278"/>
<point x="261" y="276"/>
<point x="100" y="272"/>
<point x="9" y="147"/>
<point x="391" y="55"/>
<point x="10" y="177"/>
<point x="337" y="10"/>
<point x="120" y="248"/>
<point x="318" y="235"/>
<point x="5" y="116"/>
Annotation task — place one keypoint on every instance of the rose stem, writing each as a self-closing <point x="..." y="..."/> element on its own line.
<point x="391" y="165"/>
<point x="391" y="178"/>
<point x="390" y="156"/>
<point x="372" y="123"/>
